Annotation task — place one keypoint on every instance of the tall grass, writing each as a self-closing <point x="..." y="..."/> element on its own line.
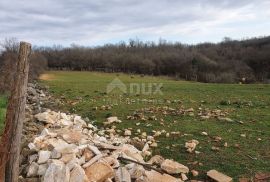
<point x="3" y="103"/>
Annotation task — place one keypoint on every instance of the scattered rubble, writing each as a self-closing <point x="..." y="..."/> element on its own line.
<point x="191" y="145"/>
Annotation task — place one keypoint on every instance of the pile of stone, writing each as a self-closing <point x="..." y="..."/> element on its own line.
<point x="62" y="147"/>
<point x="69" y="149"/>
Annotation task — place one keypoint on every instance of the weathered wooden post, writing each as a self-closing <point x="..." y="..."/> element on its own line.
<point x="11" y="139"/>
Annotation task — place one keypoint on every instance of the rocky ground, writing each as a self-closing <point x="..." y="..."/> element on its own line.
<point x="63" y="147"/>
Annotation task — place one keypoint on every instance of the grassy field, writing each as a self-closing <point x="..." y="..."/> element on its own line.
<point x="246" y="105"/>
<point x="2" y="111"/>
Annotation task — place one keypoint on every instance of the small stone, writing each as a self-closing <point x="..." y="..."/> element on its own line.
<point x="184" y="177"/>
<point x="67" y="157"/>
<point x="111" y="120"/>
<point x="72" y="137"/>
<point x="127" y="133"/>
<point x="157" y="159"/>
<point x="42" y="169"/>
<point x="57" y="172"/>
<point x="243" y="135"/>
<point x="225" y="144"/>
<point x="32" y="146"/>
<point x="204" y="133"/>
<point x="43" y="156"/>
<point x="94" y="149"/>
<point x="219" y="177"/>
<point x="77" y="174"/>
<point x="215" y="148"/>
<point x="194" y="173"/>
<point x="122" y="175"/>
<point x="191" y="145"/>
<point x="173" y="167"/>
<point x="33" y="170"/>
<point x="33" y="158"/>
<point x="55" y="154"/>
<point x="99" y="172"/>
<point x="88" y="154"/>
<point x="154" y="144"/>
<point x="46" y="117"/>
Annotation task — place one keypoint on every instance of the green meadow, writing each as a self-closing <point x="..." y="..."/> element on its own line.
<point x="246" y="131"/>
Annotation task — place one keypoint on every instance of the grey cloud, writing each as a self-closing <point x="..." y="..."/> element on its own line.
<point x="66" y="21"/>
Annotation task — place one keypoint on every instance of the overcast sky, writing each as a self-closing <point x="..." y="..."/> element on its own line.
<point x="95" y="22"/>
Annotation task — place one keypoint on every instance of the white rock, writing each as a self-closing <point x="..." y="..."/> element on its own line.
<point x="64" y="116"/>
<point x="33" y="170"/>
<point x="42" y="169"/>
<point x="32" y="146"/>
<point x="127" y="133"/>
<point x="67" y="149"/>
<point x="204" y="133"/>
<point x="46" y="117"/>
<point x="46" y="132"/>
<point x="94" y="149"/>
<point x="59" y="143"/>
<point x="55" y="154"/>
<point x="173" y="167"/>
<point x="111" y="120"/>
<point x="78" y="121"/>
<point x="184" y="177"/>
<point x="135" y="170"/>
<point x="122" y="175"/>
<point x="77" y="174"/>
<point x="43" y="156"/>
<point x="33" y="158"/>
<point x="191" y="145"/>
<point x="71" y="164"/>
<point x="57" y="172"/>
<point x="65" y="122"/>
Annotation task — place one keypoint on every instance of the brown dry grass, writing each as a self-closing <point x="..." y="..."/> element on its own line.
<point x="46" y="77"/>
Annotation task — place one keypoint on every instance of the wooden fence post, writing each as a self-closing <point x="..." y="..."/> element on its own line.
<point x="15" y="116"/>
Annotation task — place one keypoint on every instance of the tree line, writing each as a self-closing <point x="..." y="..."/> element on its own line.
<point x="230" y="61"/>
<point x="8" y="60"/>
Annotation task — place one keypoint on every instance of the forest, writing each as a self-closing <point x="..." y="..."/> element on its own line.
<point x="230" y="61"/>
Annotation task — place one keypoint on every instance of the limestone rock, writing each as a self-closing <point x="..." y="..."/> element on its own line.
<point x="46" y="117"/>
<point x="88" y="154"/>
<point x="122" y="174"/>
<point x="191" y="145"/>
<point x="33" y="170"/>
<point x="55" y="154"/>
<point x="157" y="159"/>
<point x="111" y="120"/>
<point x="127" y="133"/>
<point x="173" y="167"/>
<point x="135" y="170"/>
<point x="43" y="156"/>
<point x="94" y="173"/>
<point x="77" y="174"/>
<point x="57" y="172"/>
<point x="42" y="169"/>
<point x="219" y="177"/>
<point x="72" y="137"/>
<point x="194" y="172"/>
